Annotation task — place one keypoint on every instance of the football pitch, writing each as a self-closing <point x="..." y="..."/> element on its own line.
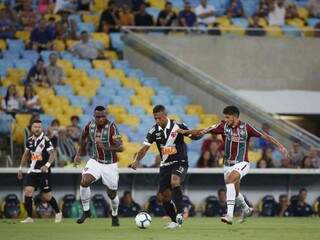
<point x="193" y="229"/>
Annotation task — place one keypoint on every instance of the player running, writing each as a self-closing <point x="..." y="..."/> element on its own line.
<point x="103" y="140"/>
<point x="41" y="152"/>
<point x="236" y="135"/>
<point x="174" y="162"/>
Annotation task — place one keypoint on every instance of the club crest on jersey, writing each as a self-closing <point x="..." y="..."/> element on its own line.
<point x="41" y="145"/>
<point x="173" y="134"/>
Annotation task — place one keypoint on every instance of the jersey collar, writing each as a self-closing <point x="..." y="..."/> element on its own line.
<point x="40" y="136"/>
<point x="168" y="125"/>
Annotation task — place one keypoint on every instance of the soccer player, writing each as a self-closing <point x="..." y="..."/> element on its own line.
<point x="41" y="152"/>
<point x="174" y="162"/>
<point x="236" y="135"/>
<point x="103" y="140"/>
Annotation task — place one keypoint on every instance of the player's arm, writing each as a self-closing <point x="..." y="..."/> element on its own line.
<point x="115" y="140"/>
<point x="275" y="142"/>
<point x="215" y="129"/>
<point x="24" y="159"/>
<point x="82" y="145"/>
<point x="193" y="134"/>
<point x="52" y="155"/>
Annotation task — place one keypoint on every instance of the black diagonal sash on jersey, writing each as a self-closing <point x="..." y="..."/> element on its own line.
<point x="170" y="141"/>
<point x="39" y="148"/>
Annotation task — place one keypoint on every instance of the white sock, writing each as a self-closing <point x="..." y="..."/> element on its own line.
<point x="85" y="195"/>
<point x="231" y="195"/>
<point x="114" y="206"/>
<point x="241" y="202"/>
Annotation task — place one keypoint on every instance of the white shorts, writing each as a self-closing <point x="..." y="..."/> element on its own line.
<point x="108" y="172"/>
<point x="242" y="168"/>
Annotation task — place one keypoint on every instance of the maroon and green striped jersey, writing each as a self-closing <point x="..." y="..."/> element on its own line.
<point x="105" y="133"/>
<point x="236" y="140"/>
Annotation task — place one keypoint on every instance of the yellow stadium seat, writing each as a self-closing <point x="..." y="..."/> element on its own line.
<point x="145" y="91"/>
<point x="174" y="117"/>
<point x="63" y="119"/>
<point x="274" y="31"/>
<point x="99" y="5"/>
<point x="23" y="35"/>
<point x="131" y="83"/>
<point x="154" y="149"/>
<point x="102" y="64"/>
<point x="303" y="12"/>
<point x="254" y="156"/>
<point x="101" y="37"/>
<point x="116" y="109"/>
<point x="209" y="119"/>
<point x="194" y="109"/>
<point x="16" y="73"/>
<point x="20" y="90"/>
<point x="157" y="3"/>
<point x="140" y="101"/>
<point x="131" y="120"/>
<point x="71" y="43"/>
<point x="22" y="121"/>
<point x="3" y="44"/>
<point x="307" y="31"/>
<point x="55" y="16"/>
<point x="115" y="73"/>
<point x="203" y="126"/>
<point x="297" y="22"/>
<point x="110" y="54"/>
<point x="78" y="73"/>
<point x="236" y="30"/>
<point x="148" y="109"/>
<point x="94" y="19"/>
<point x="223" y="21"/>
<point x="59" y="45"/>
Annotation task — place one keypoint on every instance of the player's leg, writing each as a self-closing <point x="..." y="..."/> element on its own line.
<point x="28" y="192"/>
<point x="230" y="179"/>
<point x="46" y="191"/>
<point x="110" y="178"/>
<point x="166" y="196"/>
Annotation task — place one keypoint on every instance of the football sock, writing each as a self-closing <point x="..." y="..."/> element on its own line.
<point x="170" y="210"/>
<point x="28" y="205"/>
<point x="241" y="202"/>
<point x="85" y="195"/>
<point x="231" y="195"/>
<point x="177" y="199"/>
<point x="114" y="206"/>
<point x="54" y="204"/>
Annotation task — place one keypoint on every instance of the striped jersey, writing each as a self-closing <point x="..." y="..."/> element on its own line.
<point x="236" y="140"/>
<point x="105" y="133"/>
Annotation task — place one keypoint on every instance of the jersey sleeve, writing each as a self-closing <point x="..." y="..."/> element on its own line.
<point x="217" y="128"/>
<point x="113" y="132"/>
<point x="48" y="144"/>
<point x="183" y="126"/>
<point x="252" y="132"/>
<point x="150" y="138"/>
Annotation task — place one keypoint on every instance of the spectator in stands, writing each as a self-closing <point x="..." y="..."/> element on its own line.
<point x="7" y="24"/>
<point x="26" y="16"/>
<point x="54" y="72"/>
<point x="66" y="28"/>
<point x="167" y="16"/>
<point x="216" y="153"/>
<point x="53" y="132"/>
<point x="283" y="205"/>
<point x="11" y="103"/>
<point x="205" y="14"/>
<point x="41" y="37"/>
<point x="142" y="18"/>
<point x="292" y="12"/>
<point x="207" y="142"/>
<point x="187" y="18"/>
<point x="266" y="160"/>
<point x="44" y="7"/>
<point x="157" y="161"/>
<point x="277" y="13"/>
<point x="109" y="19"/>
<point x="127" y="207"/>
<point x="314" y="156"/>
<point x="296" y="154"/>
<point x="38" y="74"/>
<point x="74" y="130"/>
<point x="307" y="162"/>
<point x="263" y="9"/>
<point x="30" y="101"/>
<point x="235" y="9"/>
<point x="154" y="206"/>
<point x="314" y="8"/>
<point x="87" y="49"/>
<point x="65" y="147"/>
<point x="135" y="5"/>
<point x="84" y="5"/>
<point x="222" y="199"/>
<point x="285" y="163"/>
<point x="69" y="5"/>
<point x="301" y="208"/>
<point x="52" y="27"/>
<point x="42" y="208"/>
<point x="125" y="16"/>
<point x="205" y="160"/>
<point x="255" y="29"/>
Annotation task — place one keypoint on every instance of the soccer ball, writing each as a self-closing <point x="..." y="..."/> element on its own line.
<point x="143" y="220"/>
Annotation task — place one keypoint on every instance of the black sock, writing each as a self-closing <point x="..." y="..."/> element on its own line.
<point x="54" y="204"/>
<point x="170" y="210"/>
<point x="28" y="205"/>
<point x="177" y="199"/>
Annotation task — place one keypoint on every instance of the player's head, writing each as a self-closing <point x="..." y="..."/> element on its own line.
<point x="160" y="115"/>
<point x="303" y="194"/>
<point x="100" y="115"/>
<point x="36" y="127"/>
<point x="231" y="115"/>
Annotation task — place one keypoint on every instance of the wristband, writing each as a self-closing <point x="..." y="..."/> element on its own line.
<point x="48" y="164"/>
<point x="20" y="168"/>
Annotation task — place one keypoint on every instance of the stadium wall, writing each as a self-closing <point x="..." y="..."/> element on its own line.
<point x="249" y="62"/>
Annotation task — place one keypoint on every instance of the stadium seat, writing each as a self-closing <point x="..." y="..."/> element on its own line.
<point x="15" y="45"/>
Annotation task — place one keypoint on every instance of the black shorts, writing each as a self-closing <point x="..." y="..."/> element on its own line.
<point x="39" y="181"/>
<point x="166" y="172"/>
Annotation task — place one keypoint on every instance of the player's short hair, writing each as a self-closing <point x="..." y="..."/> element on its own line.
<point x="159" y="108"/>
<point x="221" y="190"/>
<point x="100" y="108"/>
<point x="231" y="110"/>
<point x="36" y="121"/>
<point x="303" y="190"/>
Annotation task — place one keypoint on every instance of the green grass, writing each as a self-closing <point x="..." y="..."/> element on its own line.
<point x="193" y="229"/>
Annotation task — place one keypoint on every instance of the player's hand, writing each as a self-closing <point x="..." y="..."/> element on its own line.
<point x="117" y="139"/>
<point x="99" y="143"/>
<point x="20" y="176"/>
<point x="284" y="151"/>
<point x="181" y="131"/>
<point x="76" y="160"/>
<point x="44" y="169"/>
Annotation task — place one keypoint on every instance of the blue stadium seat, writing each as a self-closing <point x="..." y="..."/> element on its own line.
<point x="46" y="120"/>
<point x="63" y="90"/>
<point x="164" y="89"/>
<point x="150" y="82"/>
<point x="136" y="111"/>
<point x="89" y="27"/>
<point x="10" y="54"/>
<point x="195" y="146"/>
<point x="45" y="55"/>
<point x="67" y="55"/>
<point x="250" y="7"/>
<point x="157" y="99"/>
<point x="116" y="41"/>
<point x="120" y="64"/>
<point x="5" y="123"/>
<point x="4" y="65"/>
<point x="106" y="92"/>
<point x="242" y="22"/>
<point x="84" y="119"/>
<point x="81" y="63"/>
<point x="175" y="109"/>
<point x="313" y="21"/>
<point x="30" y="55"/>
<point x="96" y="73"/>
<point x="124" y="129"/>
<point x="154" y="12"/>
<point x="180" y="100"/>
<point x="15" y="45"/>
<point x="3" y="91"/>
<point x="78" y="101"/>
<point x="193" y="158"/>
<point x="111" y="83"/>
<point x="121" y="100"/>
<point x="125" y="92"/>
<point x="136" y="73"/>
<point x="190" y="121"/>
<point x="291" y="31"/>
<point x="25" y="64"/>
<point x="100" y="100"/>
<point x="148" y="159"/>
